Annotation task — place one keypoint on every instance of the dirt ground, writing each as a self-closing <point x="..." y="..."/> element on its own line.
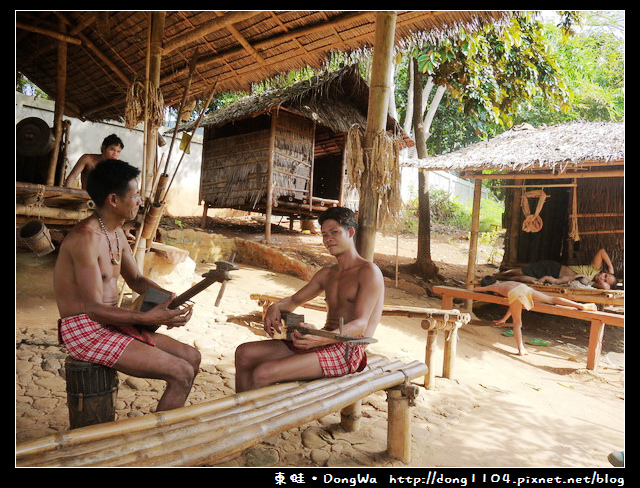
<point x="501" y="410"/>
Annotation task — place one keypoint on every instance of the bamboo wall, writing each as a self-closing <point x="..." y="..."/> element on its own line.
<point x="236" y="160"/>
<point x="600" y="220"/>
<point x="599" y="216"/>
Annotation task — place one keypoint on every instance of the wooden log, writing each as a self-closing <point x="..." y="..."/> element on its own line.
<point x="400" y="398"/>
<point x="450" y="350"/>
<point x="53" y="213"/>
<point x="430" y="352"/>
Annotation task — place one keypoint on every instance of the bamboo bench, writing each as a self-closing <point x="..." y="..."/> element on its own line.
<point x="211" y="432"/>
<point x="597" y="319"/>
<point x="433" y="321"/>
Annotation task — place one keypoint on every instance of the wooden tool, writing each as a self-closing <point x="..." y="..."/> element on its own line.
<point x="292" y="321"/>
<point x="154" y="296"/>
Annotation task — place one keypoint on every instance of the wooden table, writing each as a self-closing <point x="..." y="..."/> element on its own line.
<point x="596" y="319"/>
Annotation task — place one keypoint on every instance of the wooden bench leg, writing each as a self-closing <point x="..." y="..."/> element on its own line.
<point x="595" y="344"/>
<point x="432" y="348"/>
<point x="400" y="399"/>
<point x="350" y="416"/>
<point x="450" y="348"/>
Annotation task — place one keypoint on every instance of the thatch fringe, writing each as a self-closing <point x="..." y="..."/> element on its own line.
<point x="525" y="147"/>
<point x="384" y="168"/>
<point x="134" y="109"/>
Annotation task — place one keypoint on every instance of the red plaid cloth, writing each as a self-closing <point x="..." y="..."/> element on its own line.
<point x="88" y="340"/>
<point x="332" y="358"/>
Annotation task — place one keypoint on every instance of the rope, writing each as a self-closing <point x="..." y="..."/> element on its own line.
<point x="532" y="223"/>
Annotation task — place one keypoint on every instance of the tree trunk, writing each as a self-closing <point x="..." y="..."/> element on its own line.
<point x="424" y="265"/>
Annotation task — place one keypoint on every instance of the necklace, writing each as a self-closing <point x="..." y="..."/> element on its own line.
<point x="104" y="229"/>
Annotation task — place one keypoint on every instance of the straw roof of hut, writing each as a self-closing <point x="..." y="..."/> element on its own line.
<point x="231" y="50"/>
<point x="336" y="100"/>
<point x="524" y="147"/>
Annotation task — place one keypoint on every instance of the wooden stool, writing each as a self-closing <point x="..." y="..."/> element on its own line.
<point x="91" y="393"/>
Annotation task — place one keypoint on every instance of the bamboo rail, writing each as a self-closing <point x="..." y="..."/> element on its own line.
<point x="204" y="433"/>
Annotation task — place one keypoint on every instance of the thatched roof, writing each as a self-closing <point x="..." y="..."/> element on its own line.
<point x="107" y="51"/>
<point x="525" y="147"/>
<point x="336" y="100"/>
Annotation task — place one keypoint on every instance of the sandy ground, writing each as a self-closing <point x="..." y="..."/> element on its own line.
<point x="501" y="410"/>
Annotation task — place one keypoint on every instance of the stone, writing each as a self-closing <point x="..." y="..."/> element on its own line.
<point x="260" y="456"/>
<point x="314" y="437"/>
<point x="320" y="456"/>
<point x="136" y="383"/>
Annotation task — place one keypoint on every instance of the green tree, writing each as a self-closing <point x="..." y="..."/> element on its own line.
<point x="490" y="74"/>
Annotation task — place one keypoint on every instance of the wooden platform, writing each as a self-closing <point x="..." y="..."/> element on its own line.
<point x="585" y="295"/>
<point x="54" y="205"/>
<point x="596" y="319"/>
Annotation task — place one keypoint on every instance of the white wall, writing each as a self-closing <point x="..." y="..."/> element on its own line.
<point x="442" y="180"/>
<point x="86" y="137"/>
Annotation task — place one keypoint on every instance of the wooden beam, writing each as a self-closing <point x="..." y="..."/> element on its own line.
<point x="47" y="32"/>
<point x="545" y="176"/>
<point x="206" y="28"/>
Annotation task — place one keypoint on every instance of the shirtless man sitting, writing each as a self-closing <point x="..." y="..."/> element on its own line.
<point x="521" y="296"/>
<point x="111" y="148"/>
<point x="354" y="291"/>
<point x="555" y="273"/>
<point x="92" y="327"/>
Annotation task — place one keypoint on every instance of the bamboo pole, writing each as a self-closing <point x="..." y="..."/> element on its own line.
<point x="222" y="431"/>
<point x="473" y="240"/>
<point x="270" y="162"/>
<point x="61" y="88"/>
<point x="376" y="123"/>
<point x="399" y="424"/>
<point x="195" y="128"/>
<point x="235" y="438"/>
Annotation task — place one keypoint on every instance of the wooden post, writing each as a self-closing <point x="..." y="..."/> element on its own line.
<point x="399" y="421"/>
<point x="431" y="349"/>
<point x="155" y="55"/>
<point x="596" y="333"/>
<point x="450" y="349"/>
<point x="272" y="143"/>
<point x="61" y="88"/>
<point x="350" y="417"/>
<point x="376" y="122"/>
<point x="473" y="240"/>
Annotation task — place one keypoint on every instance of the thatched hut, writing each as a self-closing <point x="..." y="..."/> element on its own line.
<point x="564" y="189"/>
<point x="287" y="151"/>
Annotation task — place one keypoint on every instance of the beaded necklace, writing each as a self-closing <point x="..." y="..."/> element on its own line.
<point x="104" y="229"/>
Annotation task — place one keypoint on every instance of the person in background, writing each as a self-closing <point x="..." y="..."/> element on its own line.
<point x="521" y="296"/>
<point x="555" y="273"/>
<point x="111" y="148"/>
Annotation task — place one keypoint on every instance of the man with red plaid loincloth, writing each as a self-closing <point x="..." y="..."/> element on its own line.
<point x="354" y="292"/>
<point x="92" y="327"/>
